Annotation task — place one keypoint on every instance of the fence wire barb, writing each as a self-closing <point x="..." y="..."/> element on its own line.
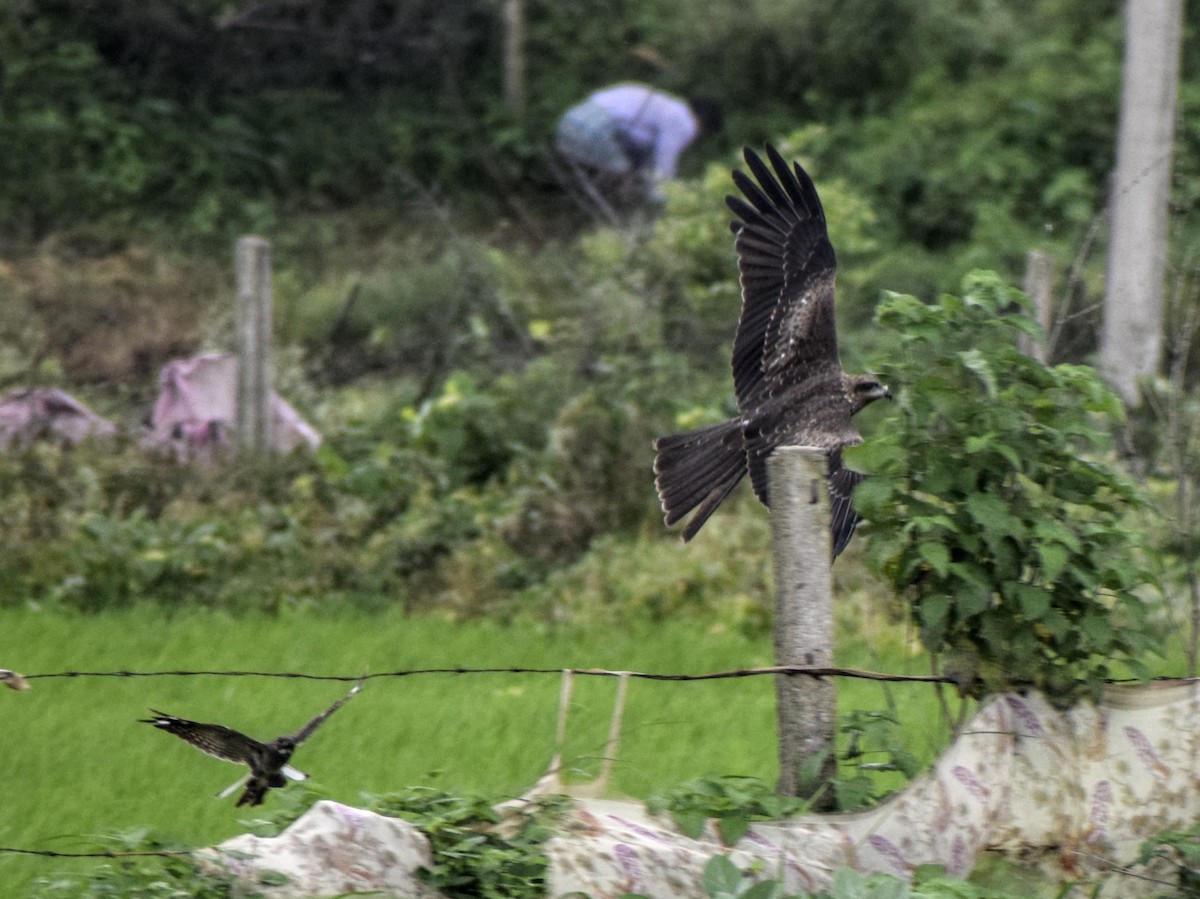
<point x="795" y="670"/>
<point x="791" y="670"/>
<point x="101" y="853"/>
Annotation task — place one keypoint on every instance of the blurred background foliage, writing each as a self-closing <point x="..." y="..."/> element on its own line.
<point x="487" y="365"/>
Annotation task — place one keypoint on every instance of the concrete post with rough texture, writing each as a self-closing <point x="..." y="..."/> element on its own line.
<point x="1131" y="339"/>
<point x="807" y="707"/>
<point x="1039" y="287"/>
<point x="514" y="54"/>
<point x="252" y="266"/>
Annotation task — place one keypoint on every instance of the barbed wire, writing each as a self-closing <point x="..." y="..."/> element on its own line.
<point x="102" y="853"/>
<point x="791" y="670"/>
<point x="816" y="671"/>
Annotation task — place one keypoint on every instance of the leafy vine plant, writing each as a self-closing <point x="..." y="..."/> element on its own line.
<point x="995" y="506"/>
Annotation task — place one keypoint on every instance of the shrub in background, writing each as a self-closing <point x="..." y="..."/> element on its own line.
<point x="991" y="506"/>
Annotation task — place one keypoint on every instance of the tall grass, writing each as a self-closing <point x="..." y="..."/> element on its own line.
<point x="77" y="764"/>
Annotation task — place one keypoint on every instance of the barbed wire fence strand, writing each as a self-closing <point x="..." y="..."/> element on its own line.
<point x="794" y="670"/>
<point x="767" y="670"/>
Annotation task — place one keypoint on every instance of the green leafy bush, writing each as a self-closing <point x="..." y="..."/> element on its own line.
<point x="732" y="801"/>
<point x="992" y="509"/>
<point x="476" y="853"/>
<point x="148" y="877"/>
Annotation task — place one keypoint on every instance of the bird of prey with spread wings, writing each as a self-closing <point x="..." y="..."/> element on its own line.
<point x="790" y="386"/>
<point x="268" y="762"/>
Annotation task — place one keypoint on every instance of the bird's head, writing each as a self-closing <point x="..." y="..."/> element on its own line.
<point x="282" y="748"/>
<point x="864" y="390"/>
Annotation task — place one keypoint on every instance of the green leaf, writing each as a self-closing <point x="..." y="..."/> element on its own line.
<point x="976" y="362"/>
<point x="873" y="494"/>
<point x="721" y="877"/>
<point x="992" y="513"/>
<point x="810" y="770"/>
<point x="908" y="763"/>
<point x="885" y="886"/>
<point x="854" y="792"/>
<point x="764" y="889"/>
<point x="1054" y="558"/>
<point x="690" y="823"/>
<point x="933" y="611"/>
<point x="937" y="556"/>
<point x="1097" y="628"/>
<point x="732" y="828"/>
<point x="1034" y="601"/>
<point x="849" y="884"/>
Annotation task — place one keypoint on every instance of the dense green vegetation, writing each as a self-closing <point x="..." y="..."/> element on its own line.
<point x="991" y="510"/>
<point x="488" y="369"/>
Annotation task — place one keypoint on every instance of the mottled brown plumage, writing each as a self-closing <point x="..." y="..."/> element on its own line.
<point x="268" y="762"/>
<point x="787" y="375"/>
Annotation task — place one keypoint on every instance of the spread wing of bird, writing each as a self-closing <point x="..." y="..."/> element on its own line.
<point x="787" y="332"/>
<point x="214" y="739"/>
<point x="790" y="386"/>
<point x="842" y="517"/>
<point x="305" y="732"/>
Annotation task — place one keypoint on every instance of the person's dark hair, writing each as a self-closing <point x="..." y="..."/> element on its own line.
<point x="708" y="113"/>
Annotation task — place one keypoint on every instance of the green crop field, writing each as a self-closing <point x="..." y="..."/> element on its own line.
<point x="78" y="766"/>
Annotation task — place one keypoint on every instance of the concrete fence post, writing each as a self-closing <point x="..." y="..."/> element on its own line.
<point x="252" y="266"/>
<point x="800" y="542"/>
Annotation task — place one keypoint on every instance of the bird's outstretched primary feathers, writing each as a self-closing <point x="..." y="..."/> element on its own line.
<point x="787" y="375"/>
<point x="268" y="762"/>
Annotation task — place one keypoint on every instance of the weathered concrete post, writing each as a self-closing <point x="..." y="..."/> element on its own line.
<point x="1039" y="287"/>
<point x="514" y="54"/>
<point x="1135" y="283"/>
<point x="252" y="265"/>
<point x="800" y="543"/>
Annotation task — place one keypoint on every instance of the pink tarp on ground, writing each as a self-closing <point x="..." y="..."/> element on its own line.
<point x="29" y="413"/>
<point x="196" y="409"/>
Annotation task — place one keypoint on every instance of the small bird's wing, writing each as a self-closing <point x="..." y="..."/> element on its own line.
<point x="215" y="739"/>
<point x="305" y="732"/>
<point x="842" y="517"/>
<point x="787" y="265"/>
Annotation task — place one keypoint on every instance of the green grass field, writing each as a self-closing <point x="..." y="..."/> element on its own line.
<point x="76" y="764"/>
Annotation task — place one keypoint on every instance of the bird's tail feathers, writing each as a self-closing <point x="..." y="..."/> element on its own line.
<point x="697" y="470"/>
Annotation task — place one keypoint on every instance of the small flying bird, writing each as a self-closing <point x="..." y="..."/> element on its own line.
<point x="787" y="375"/>
<point x="12" y="680"/>
<point x="268" y="762"/>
